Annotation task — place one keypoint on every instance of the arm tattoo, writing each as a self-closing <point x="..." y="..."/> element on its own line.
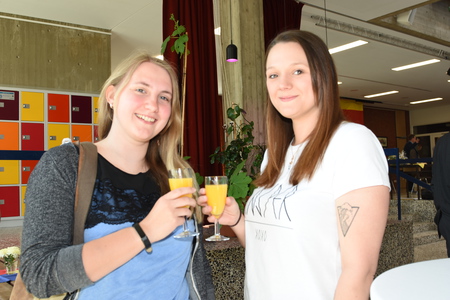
<point x="346" y="214"/>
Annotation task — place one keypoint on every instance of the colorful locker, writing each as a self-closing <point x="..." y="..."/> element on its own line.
<point x="9" y="172"/>
<point x="9" y="136"/>
<point x="22" y="201"/>
<point x="32" y="136"/>
<point x="27" y="168"/>
<point x="56" y="133"/>
<point x="9" y="105"/>
<point x="95" y="109"/>
<point x="81" y="108"/>
<point x="32" y="106"/>
<point x="58" y="108"/>
<point x="82" y="133"/>
<point x="9" y="201"/>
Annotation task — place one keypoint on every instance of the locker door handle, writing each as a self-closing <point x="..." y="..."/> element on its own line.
<point x="75" y="109"/>
<point x="2" y="201"/>
<point x="76" y="138"/>
<point x="26" y="137"/>
<point x="52" y="107"/>
<point x="96" y="109"/>
<point x="2" y="137"/>
<point x="52" y="138"/>
<point x="26" y="106"/>
<point x="2" y="169"/>
<point x="26" y="169"/>
<point x="2" y="104"/>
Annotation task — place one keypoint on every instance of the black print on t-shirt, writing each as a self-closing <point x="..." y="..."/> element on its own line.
<point x="271" y="202"/>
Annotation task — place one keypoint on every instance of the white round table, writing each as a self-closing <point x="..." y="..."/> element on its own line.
<point x="424" y="280"/>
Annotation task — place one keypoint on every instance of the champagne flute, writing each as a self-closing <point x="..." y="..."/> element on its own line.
<point x="182" y="177"/>
<point x="216" y="192"/>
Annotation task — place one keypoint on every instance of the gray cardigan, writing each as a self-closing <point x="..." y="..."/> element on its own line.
<point x="50" y="264"/>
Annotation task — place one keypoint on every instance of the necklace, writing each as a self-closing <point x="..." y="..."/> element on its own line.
<point x="294" y="155"/>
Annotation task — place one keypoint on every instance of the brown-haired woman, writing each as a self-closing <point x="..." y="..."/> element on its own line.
<point x="313" y="227"/>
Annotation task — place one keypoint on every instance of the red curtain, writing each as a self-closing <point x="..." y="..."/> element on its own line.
<point x="279" y="16"/>
<point x="203" y="114"/>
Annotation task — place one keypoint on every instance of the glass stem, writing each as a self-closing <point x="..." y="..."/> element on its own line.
<point x="216" y="227"/>
<point x="185" y="224"/>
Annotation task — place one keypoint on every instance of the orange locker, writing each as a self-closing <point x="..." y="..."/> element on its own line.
<point x="9" y="172"/>
<point x="32" y="106"/>
<point x="32" y="136"/>
<point x="27" y="168"/>
<point x="56" y="133"/>
<point x="82" y="133"/>
<point x="9" y="136"/>
<point x="58" y="108"/>
<point x="9" y="201"/>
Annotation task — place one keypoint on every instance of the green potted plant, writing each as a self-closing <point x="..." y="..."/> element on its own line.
<point x="241" y="158"/>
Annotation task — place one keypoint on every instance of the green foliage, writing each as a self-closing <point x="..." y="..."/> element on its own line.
<point x="237" y="153"/>
<point x="180" y="36"/>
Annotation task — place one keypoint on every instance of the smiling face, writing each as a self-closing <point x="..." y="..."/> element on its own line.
<point x="143" y="108"/>
<point x="288" y="80"/>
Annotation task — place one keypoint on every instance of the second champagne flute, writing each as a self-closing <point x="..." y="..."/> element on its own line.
<point x="182" y="177"/>
<point x="216" y="192"/>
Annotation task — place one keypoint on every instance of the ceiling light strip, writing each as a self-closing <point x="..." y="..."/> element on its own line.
<point x="426" y="100"/>
<point x="379" y="37"/>
<point x="347" y="46"/>
<point x="419" y="64"/>
<point x="381" y="94"/>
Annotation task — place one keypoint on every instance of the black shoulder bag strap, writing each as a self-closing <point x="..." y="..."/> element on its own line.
<point x="87" y="172"/>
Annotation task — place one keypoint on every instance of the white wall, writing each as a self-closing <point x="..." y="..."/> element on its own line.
<point x="141" y="31"/>
<point x="427" y="116"/>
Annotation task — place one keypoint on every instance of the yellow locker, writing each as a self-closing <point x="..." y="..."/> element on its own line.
<point x="9" y="172"/>
<point x="32" y="106"/>
<point x="22" y="201"/>
<point x="56" y="133"/>
<point x="95" y="108"/>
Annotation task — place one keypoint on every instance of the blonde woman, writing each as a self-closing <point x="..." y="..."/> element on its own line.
<point x="139" y="131"/>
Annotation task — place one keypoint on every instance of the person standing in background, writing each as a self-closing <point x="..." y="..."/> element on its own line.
<point x="441" y="187"/>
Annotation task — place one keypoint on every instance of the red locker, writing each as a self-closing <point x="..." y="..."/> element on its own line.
<point x="81" y="109"/>
<point x="58" y="108"/>
<point x="32" y="136"/>
<point x="27" y="168"/>
<point x="9" y="105"/>
<point x="9" y="201"/>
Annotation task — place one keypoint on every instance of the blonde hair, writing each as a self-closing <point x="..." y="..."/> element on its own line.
<point x="163" y="150"/>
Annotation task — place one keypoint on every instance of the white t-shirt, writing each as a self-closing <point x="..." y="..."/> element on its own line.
<point x="292" y="244"/>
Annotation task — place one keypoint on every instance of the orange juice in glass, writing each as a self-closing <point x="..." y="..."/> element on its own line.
<point x="182" y="177"/>
<point x="216" y="192"/>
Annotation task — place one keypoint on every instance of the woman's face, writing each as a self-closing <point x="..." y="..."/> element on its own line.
<point x="144" y="105"/>
<point x="288" y="80"/>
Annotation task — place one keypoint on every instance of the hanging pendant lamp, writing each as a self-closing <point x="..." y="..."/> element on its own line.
<point x="232" y="51"/>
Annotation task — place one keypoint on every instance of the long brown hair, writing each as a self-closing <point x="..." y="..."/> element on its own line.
<point x="279" y="129"/>
<point x="162" y="153"/>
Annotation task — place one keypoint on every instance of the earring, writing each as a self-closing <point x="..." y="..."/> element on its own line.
<point x="111" y="105"/>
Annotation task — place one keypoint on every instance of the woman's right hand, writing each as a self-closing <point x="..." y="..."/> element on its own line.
<point x="168" y="213"/>
<point x="230" y="214"/>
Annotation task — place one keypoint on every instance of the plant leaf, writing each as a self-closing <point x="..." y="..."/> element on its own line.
<point x="164" y="45"/>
